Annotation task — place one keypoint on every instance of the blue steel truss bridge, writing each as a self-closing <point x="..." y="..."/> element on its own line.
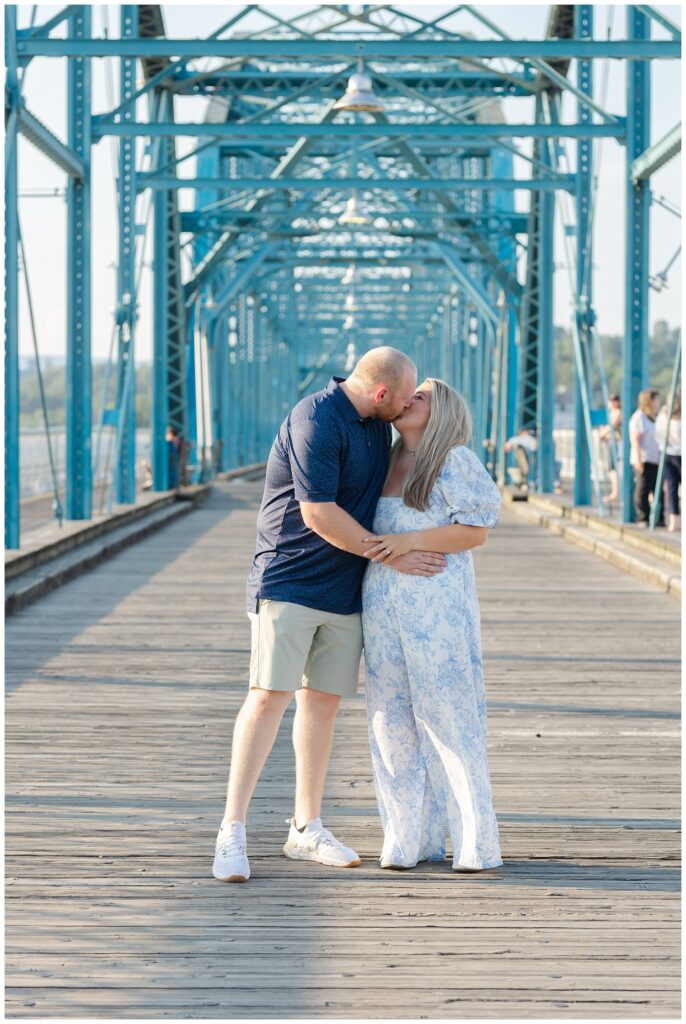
<point x="350" y="180"/>
<point x="294" y="188"/>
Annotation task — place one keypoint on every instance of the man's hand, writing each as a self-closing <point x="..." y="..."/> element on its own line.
<point x="420" y="563"/>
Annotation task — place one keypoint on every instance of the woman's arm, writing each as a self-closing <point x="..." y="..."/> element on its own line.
<point x="446" y="539"/>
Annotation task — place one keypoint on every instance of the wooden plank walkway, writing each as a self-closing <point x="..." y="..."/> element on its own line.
<point x="122" y="688"/>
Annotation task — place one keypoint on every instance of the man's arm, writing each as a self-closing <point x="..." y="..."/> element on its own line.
<point x="335" y="525"/>
<point x="338" y="527"/>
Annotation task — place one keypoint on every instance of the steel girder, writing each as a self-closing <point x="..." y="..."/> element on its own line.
<point x="170" y="407"/>
<point x="314" y="49"/>
<point x="11" y="287"/>
<point x="584" y="273"/>
<point x="127" y="297"/>
<point x="78" y="397"/>
<point x="635" y="349"/>
<point x="260" y="316"/>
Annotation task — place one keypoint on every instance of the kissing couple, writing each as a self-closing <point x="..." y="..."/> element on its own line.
<point x="362" y="542"/>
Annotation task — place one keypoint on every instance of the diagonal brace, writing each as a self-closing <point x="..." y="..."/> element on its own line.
<point x="52" y="147"/>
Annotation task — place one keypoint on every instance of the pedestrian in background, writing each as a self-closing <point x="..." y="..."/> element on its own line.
<point x="645" y="454"/>
<point x="613" y="428"/>
<point x="669" y="430"/>
<point x="174" y="444"/>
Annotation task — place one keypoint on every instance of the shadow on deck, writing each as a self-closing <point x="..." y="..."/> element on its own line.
<point x="122" y="688"/>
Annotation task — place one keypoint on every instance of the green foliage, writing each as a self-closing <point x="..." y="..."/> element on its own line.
<point x="31" y="414"/>
<point x="660" y="358"/>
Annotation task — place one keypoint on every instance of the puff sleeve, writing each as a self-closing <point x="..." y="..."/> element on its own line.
<point x="471" y="496"/>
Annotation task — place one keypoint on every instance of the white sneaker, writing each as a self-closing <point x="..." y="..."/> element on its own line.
<point x="317" y="843"/>
<point x="230" y="858"/>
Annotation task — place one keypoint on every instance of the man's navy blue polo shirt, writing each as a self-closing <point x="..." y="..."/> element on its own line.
<point x="324" y="451"/>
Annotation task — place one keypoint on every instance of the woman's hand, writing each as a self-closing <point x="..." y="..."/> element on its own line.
<point x="388" y="546"/>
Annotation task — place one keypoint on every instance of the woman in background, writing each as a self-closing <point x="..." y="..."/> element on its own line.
<point x="645" y="454"/>
<point x="671" y="431"/>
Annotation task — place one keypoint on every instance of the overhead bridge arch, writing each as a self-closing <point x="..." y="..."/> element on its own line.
<point x="352" y="180"/>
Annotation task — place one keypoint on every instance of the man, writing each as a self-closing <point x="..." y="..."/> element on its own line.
<point x="325" y="472"/>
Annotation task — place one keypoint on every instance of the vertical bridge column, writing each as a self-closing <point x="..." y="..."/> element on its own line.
<point x="11" y="290"/>
<point x="635" y="350"/>
<point x="162" y="201"/>
<point x="545" y="403"/>
<point x="79" y="402"/>
<point x="126" y="275"/>
<point x="584" y="258"/>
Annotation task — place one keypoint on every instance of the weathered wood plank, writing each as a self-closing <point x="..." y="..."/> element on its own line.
<point x="122" y="691"/>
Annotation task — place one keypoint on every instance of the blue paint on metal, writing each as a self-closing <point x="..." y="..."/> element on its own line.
<point x="311" y="48"/>
<point x="12" y="492"/>
<point x="583" y="14"/>
<point x="79" y="488"/>
<point x="545" y="462"/>
<point x="160" y="368"/>
<point x="539" y="184"/>
<point x="125" y="463"/>
<point x="235" y="131"/>
<point x="635" y="348"/>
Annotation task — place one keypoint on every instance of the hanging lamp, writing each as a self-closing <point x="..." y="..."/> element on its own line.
<point x="359" y="93"/>
<point x="353" y="213"/>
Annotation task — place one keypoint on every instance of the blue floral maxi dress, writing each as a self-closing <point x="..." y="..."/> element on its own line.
<point x="426" y="705"/>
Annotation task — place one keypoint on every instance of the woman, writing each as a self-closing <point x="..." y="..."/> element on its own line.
<point x="670" y="431"/>
<point x="426" y="707"/>
<point x="645" y="454"/>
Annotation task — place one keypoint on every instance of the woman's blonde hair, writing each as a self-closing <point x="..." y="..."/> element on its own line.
<point x="450" y="424"/>
<point x="645" y="401"/>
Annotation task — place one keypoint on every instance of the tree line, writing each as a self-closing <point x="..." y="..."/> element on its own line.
<point x="663" y="344"/>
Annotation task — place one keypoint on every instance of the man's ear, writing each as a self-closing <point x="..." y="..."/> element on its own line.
<point x="380" y="394"/>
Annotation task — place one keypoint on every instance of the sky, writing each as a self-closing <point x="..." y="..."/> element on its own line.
<point x="42" y="212"/>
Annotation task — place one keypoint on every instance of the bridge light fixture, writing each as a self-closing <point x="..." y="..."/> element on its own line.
<point x="349" y="276"/>
<point x="353" y="213"/>
<point x="359" y="94"/>
<point x="351" y="356"/>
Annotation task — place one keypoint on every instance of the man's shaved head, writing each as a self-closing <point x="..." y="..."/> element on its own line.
<point x="383" y="365"/>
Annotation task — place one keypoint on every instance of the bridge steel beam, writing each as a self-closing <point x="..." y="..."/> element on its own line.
<point x="635" y="345"/>
<point x="231" y="131"/>
<point x="79" y="490"/>
<point x="658" y="155"/>
<point x="539" y="184"/>
<point x="545" y="404"/>
<point x="127" y="299"/>
<point x="162" y="313"/>
<point x="12" y="478"/>
<point x="312" y="48"/>
<point x="583" y="16"/>
<point x="39" y="135"/>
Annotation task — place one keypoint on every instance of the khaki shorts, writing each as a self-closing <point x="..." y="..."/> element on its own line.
<point x="295" y="647"/>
